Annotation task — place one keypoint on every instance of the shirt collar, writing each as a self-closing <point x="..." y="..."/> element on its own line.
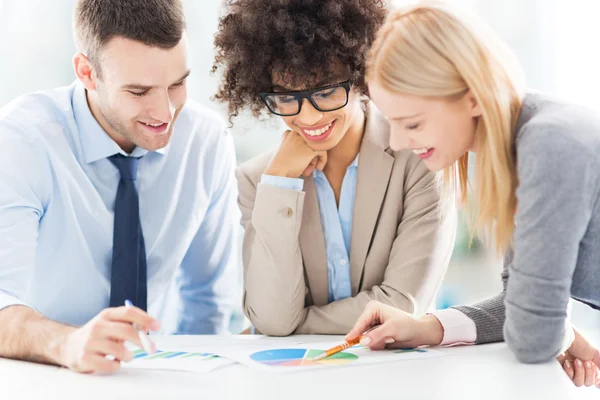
<point x="354" y="164"/>
<point x="95" y="142"/>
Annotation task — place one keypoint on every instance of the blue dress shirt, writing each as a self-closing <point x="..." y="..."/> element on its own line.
<point x="336" y="221"/>
<point x="57" y="195"/>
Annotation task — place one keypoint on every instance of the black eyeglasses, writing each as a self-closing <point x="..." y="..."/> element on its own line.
<point x="326" y="98"/>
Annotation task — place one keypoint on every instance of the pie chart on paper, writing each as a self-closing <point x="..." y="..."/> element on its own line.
<point x="300" y="358"/>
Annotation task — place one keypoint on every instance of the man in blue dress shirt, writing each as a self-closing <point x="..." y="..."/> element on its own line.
<point x="114" y="188"/>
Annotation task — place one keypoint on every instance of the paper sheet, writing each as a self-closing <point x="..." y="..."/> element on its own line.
<point x="298" y="357"/>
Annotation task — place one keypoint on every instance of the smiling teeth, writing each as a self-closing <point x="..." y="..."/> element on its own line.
<point x="318" y="132"/>
<point x="422" y="150"/>
<point x="154" y="125"/>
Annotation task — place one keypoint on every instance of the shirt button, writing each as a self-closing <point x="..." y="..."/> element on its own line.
<point x="343" y="261"/>
<point x="288" y="212"/>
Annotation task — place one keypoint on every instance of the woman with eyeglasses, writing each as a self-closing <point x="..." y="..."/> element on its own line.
<point x="333" y="218"/>
<point x="448" y="86"/>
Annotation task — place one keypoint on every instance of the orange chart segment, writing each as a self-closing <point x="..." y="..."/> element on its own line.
<point x="300" y="358"/>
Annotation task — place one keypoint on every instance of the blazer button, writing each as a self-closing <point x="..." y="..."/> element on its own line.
<point x="288" y="212"/>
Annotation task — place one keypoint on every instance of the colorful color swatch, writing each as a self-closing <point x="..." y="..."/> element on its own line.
<point x="409" y="351"/>
<point x="300" y="358"/>
<point x="141" y="354"/>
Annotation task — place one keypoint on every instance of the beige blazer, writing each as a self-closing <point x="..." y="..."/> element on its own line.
<point x="401" y="243"/>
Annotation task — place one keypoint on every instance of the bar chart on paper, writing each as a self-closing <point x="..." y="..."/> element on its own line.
<point x="176" y="361"/>
<point x="139" y="354"/>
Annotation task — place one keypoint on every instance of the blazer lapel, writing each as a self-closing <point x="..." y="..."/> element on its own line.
<point x="374" y="171"/>
<point x="312" y="246"/>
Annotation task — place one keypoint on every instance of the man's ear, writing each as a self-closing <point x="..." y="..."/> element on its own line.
<point x="84" y="71"/>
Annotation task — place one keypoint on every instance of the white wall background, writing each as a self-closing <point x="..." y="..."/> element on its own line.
<point x="555" y="40"/>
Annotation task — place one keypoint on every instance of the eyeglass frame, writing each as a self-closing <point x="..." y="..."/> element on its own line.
<point x="306" y="94"/>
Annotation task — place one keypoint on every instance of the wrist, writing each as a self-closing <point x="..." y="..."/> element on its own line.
<point x="431" y="330"/>
<point x="282" y="172"/>
<point x="56" y="346"/>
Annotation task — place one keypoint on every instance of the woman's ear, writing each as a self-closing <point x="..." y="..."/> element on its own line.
<point x="473" y="104"/>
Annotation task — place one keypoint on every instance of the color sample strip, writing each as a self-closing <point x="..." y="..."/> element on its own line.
<point x="337" y="356"/>
<point x="139" y="353"/>
<point x="176" y="354"/>
<point x="410" y="351"/>
<point x="162" y="354"/>
<point x="190" y="355"/>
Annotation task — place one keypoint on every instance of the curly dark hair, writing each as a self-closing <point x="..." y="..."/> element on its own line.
<point x="305" y="41"/>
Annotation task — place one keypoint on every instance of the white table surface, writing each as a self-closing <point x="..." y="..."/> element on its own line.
<point x="468" y="372"/>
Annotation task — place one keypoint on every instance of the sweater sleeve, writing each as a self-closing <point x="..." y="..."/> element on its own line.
<point x="557" y="193"/>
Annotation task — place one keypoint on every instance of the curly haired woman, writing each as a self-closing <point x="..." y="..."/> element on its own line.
<point x="333" y="218"/>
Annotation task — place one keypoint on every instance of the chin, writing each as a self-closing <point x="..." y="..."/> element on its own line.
<point x="326" y="144"/>
<point x="321" y="146"/>
<point x="433" y="166"/>
<point x="159" y="145"/>
<point x="152" y="143"/>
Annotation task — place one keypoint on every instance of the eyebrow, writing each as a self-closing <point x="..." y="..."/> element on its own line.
<point x="407" y="117"/>
<point x="137" y="86"/>
<point x="321" y="83"/>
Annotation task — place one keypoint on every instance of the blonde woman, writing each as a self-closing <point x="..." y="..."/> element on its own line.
<point x="448" y="86"/>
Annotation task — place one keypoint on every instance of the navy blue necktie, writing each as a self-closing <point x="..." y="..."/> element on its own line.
<point x="128" y="274"/>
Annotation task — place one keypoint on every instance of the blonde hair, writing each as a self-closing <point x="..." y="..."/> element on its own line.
<point x="432" y="49"/>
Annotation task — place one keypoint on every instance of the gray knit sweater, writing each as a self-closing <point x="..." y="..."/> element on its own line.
<point x="557" y="231"/>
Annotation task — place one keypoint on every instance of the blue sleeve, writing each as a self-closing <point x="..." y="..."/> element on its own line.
<point x="25" y="186"/>
<point x="207" y="281"/>
<point x="283" y="182"/>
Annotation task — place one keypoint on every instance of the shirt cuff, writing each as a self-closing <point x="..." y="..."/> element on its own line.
<point x="569" y="336"/>
<point x="283" y="182"/>
<point x="7" y="300"/>
<point x="458" y="328"/>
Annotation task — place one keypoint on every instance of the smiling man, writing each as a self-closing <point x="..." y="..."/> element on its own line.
<point x="114" y="188"/>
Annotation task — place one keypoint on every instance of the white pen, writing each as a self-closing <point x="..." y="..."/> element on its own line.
<point x="146" y="343"/>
